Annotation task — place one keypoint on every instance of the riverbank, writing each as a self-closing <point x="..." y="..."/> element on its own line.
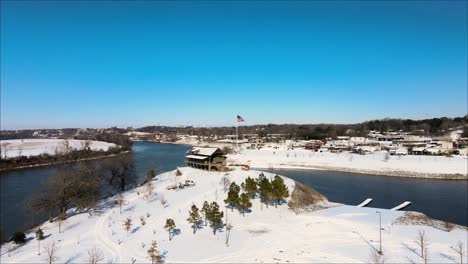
<point x="341" y="233"/>
<point x="428" y="167"/>
<point x="63" y="162"/>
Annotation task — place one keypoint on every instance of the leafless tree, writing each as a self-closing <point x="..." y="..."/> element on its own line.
<point x="51" y="250"/>
<point x="423" y="243"/>
<point x="120" y="170"/>
<point x="120" y="201"/>
<point x="4" y="149"/>
<point x="69" y="186"/>
<point x="226" y="183"/>
<point x="149" y="190"/>
<point x="127" y="225"/>
<point x="142" y="220"/>
<point x="376" y="258"/>
<point x="95" y="255"/>
<point x="460" y="250"/>
<point x="163" y="200"/>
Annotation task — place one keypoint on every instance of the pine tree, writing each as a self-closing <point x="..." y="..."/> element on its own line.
<point x="170" y="226"/>
<point x="150" y="175"/>
<point x="279" y="189"/>
<point x="39" y="237"/>
<point x="153" y="254"/>
<point x="205" y="211"/>
<point x="194" y="218"/>
<point x="215" y="217"/>
<point x="233" y="196"/>
<point x="244" y="203"/>
<point x="264" y="188"/>
<point x="250" y="187"/>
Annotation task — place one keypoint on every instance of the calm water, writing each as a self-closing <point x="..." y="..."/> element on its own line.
<point x="16" y="186"/>
<point x="440" y="199"/>
<point x="445" y="200"/>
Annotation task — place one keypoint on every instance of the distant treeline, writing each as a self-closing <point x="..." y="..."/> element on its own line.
<point x="430" y="127"/>
<point x="73" y="155"/>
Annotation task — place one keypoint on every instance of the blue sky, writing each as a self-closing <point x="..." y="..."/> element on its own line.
<point x="102" y="63"/>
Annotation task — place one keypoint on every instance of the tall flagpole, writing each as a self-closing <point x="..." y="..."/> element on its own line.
<point x="236" y="132"/>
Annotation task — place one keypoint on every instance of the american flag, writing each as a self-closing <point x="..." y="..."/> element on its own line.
<point x="240" y="119"/>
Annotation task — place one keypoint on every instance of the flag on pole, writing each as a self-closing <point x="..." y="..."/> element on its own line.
<point x="240" y="119"/>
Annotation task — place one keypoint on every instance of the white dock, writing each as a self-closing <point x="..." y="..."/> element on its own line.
<point x="401" y="206"/>
<point x="365" y="203"/>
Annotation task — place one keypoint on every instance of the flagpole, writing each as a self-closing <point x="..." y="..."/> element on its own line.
<point x="236" y="132"/>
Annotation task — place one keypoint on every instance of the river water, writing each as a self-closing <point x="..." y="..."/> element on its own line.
<point x="446" y="200"/>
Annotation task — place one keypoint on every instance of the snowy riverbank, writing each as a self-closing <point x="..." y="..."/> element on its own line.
<point x="379" y="163"/>
<point x="341" y="233"/>
<point x="35" y="147"/>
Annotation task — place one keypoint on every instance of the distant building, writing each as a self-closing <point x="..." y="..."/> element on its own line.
<point x="206" y="158"/>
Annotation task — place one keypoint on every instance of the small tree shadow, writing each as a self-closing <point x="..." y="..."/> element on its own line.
<point x="414" y="250"/>
<point x="451" y="258"/>
<point x="72" y="259"/>
<point x="134" y="230"/>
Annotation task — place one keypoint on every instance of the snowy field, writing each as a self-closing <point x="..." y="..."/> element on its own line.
<point x="35" y="147"/>
<point x="376" y="163"/>
<point x="339" y="234"/>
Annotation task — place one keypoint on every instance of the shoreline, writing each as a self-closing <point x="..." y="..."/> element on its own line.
<point x="62" y="162"/>
<point x="396" y="174"/>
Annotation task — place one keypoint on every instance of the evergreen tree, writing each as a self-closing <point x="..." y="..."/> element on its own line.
<point x="170" y="226"/>
<point x="250" y="187"/>
<point x="128" y="225"/>
<point x="205" y="211"/>
<point x="215" y="217"/>
<point x="264" y="188"/>
<point x="150" y="175"/>
<point x="233" y="196"/>
<point x="244" y="202"/>
<point x="39" y="237"/>
<point x="194" y="218"/>
<point x="154" y="255"/>
<point x="279" y="189"/>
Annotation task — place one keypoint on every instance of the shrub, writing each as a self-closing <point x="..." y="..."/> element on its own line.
<point x="19" y="238"/>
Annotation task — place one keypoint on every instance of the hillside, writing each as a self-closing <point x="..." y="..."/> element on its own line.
<point x="333" y="233"/>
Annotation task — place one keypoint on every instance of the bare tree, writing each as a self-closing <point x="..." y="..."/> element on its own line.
<point x="163" y="200"/>
<point x="127" y="225"/>
<point x="51" y="250"/>
<point x="423" y="243"/>
<point x="76" y="186"/>
<point x="228" y="233"/>
<point x="120" y="201"/>
<point x="149" y="190"/>
<point x="460" y="250"/>
<point x="376" y="258"/>
<point x="4" y="149"/>
<point x="95" y="255"/>
<point x="120" y="170"/>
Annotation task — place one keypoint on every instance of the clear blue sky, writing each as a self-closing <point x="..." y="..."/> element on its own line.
<point x="102" y="63"/>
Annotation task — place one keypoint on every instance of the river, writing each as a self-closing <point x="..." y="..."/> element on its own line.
<point x="446" y="200"/>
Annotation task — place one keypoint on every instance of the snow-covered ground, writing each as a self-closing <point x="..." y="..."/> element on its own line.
<point x="35" y="147"/>
<point x="376" y="163"/>
<point x="339" y="234"/>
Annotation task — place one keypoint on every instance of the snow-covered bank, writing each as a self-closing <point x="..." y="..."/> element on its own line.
<point x="34" y="147"/>
<point x="338" y="234"/>
<point x="379" y="163"/>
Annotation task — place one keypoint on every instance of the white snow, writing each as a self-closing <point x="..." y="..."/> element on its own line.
<point x="35" y="147"/>
<point x="377" y="162"/>
<point x="339" y="234"/>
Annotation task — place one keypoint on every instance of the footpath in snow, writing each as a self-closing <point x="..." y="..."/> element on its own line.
<point x="335" y="233"/>
<point x="379" y="163"/>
